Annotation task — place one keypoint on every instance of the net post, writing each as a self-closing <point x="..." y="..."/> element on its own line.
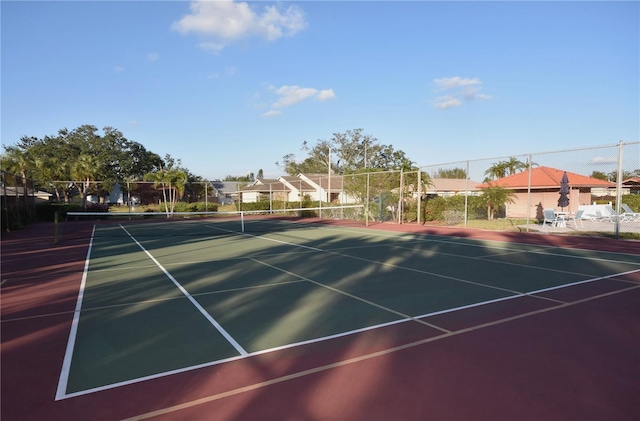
<point x="242" y="221"/>
<point x="56" y="237"/>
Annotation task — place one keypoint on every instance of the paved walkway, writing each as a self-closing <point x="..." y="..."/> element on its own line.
<point x="587" y="226"/>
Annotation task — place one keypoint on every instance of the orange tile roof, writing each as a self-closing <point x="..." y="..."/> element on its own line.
<point x="547" y="177"/>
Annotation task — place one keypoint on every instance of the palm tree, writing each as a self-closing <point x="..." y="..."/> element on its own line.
<point x="51" y="168"/>
<point x="159" y="180"/>
<point x="83" y="170"/>
<point x="495" y="197"/>
<point x="177" y="180"/>
<point x="496" y="170"/>
<point x="172" y="182"/>
<point x="514" y="165"/>
<point x="502" y="169"/>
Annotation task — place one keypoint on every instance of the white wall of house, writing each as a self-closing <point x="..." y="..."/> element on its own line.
<point x="250" y="196"/>
<point x="541" y="200"/>
<point x="294" y="194"/>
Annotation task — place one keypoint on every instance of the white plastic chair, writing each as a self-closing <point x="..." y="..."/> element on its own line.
<point x="629" y="214"/>
<point x="551" y="218"/>
<point x="576" y="218"/>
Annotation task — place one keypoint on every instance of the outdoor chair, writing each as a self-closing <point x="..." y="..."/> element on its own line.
<point x="614" y="215"/>
<point x="576" y="218"/>
<point x="629" y="214"/>
<point x="600" y="217"/>
<point x="551" y="218"/>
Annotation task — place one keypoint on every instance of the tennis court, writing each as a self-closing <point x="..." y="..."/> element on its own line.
<point x="195" y="319"/>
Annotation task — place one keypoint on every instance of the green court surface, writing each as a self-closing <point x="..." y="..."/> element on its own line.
<point x="155" y="304"/>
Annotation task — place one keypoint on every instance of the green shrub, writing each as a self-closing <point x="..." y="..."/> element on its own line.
<point x="45" y="212"/>
<point x="308" y="214"/>
<point x="633" y="200"/>
<point x="434" y="209"/>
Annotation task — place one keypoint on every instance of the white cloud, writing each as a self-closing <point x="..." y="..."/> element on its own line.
<point x="472" y="93"/>
<point x="271" y="113"/>
<point x="455" y="82"/>
<point x="603" y="160"/>
<point x="290" y="95"/>
<point x="118" y="69"/>
<point x="463" y="89"/>
<point x="325" y="95"/>
<point x="447" y="101"/>
<point x="153" y="56"/>
<point x="222" y="22"/>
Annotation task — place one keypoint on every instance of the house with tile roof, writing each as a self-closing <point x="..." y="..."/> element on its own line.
<point x="633" y="184"/>
<point x="545" y="188"/>
<point x="447" y="187"/>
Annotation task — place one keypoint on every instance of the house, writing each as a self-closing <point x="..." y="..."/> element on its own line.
<point x="226" y="192"/>
<point x="298" y="188"/>
<point x="17" y="194"/>
<point x="545" y="187"/>
<point x="265" y="189"/>
<point x="447" y="187"/>
<point x="318" y="187"/>
<point x="633" y="184"/>
<point x="327" y="188"/>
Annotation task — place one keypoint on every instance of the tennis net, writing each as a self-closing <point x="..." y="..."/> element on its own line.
<point x="158" y="224"/>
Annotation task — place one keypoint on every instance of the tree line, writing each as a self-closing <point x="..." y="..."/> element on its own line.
<point x="72" y="161"/>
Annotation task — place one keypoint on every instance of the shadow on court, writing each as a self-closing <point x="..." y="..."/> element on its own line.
<point x="350" y="324"/>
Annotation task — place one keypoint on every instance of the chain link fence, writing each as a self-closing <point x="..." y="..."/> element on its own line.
<point x="18" y="201"/>
<point x="602" y="197"/>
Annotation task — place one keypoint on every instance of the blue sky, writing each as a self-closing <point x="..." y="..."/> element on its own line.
<point x="231" y="87"/>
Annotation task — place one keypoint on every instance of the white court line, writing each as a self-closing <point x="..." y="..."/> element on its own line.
<point x="361" y="330"/>
<point x="599" y="278"/>
<point x="66" y="362"/>
<point x="342" y="363"/>
<point x="311" y="341"/>
<point x="211" y="320"/>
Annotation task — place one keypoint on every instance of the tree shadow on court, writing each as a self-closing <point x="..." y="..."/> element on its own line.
<point x="303" y="304"/>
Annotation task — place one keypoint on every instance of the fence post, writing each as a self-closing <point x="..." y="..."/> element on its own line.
<point x="366" y="209"/>
<point x="466" y="196"/>
<point x="530" y="165"/>
<point x="619" y="189"/>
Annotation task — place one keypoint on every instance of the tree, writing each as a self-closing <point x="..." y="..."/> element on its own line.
<point x="172" y="182"/>
<point x="346" y="153"/>
<point x="54" y="170"/>
<point x="17" y="162"/>
<point x="114" y="159"/>
<point x="246" y="178"/>
<point x="176" y="182"/>
<point x="514" y="165"/>
<point x="83" y="170"/>
<point x="456" y="173"/>
<point x="496" y="197"/>
<point x="600" y="175"/>
<point x="503" y="168"/>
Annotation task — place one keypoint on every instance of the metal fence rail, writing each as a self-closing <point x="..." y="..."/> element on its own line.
<point x="601" y="179"/>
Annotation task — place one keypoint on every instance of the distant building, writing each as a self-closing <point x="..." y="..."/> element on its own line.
<point x="545" y="188"/>
<point x="226" y="192"/>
